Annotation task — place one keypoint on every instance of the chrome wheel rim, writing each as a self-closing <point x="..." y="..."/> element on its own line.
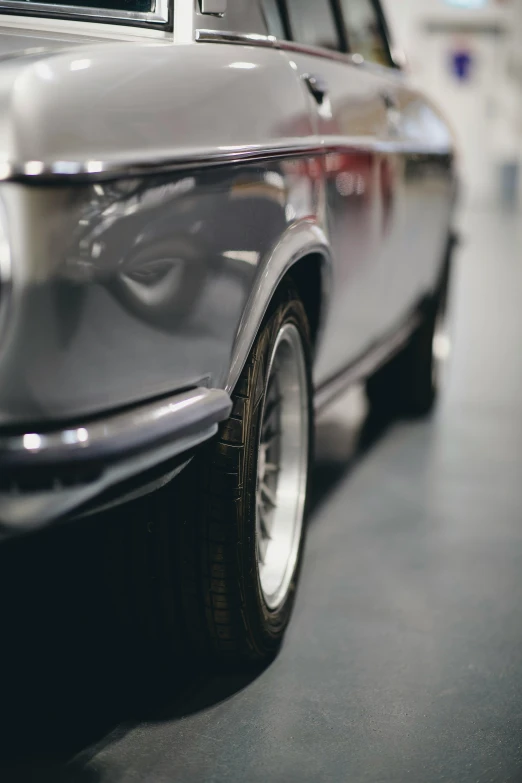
<point x="282" y="467"/>
<point x="441" y="346"/>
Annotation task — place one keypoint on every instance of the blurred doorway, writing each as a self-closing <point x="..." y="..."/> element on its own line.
<point x="465" y="73"/>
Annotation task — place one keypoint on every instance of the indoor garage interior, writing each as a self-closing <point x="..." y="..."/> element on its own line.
<point x="403" y="661"/>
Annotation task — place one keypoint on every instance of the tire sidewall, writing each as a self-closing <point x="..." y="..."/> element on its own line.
<point x="266" y="625"/>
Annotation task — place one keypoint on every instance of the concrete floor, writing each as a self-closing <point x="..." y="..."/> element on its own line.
<point x="404" y="658"/>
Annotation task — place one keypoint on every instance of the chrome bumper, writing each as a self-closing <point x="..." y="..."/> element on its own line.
<point x="44" y="475"/>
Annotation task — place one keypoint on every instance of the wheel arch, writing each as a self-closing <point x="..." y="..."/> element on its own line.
<point x="303" y="256"/>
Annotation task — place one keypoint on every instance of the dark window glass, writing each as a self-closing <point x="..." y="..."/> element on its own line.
<point x="312" y="22"/>
<point x="106" y="5"/>
<point x="364" y="31"/>
<point x="273" y="18"/>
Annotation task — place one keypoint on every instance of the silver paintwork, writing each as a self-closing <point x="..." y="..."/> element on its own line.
<point x="226" y="232"/>
<point x="136" y="429"/>
<point x="241" y="17"/>
<point x="66" y="148"/>
<point x="213" y="6"/>
<point x="99" y="171"/>
<point x="375" y="357"/>
<point x="50" y="110"/>
<point x="282" y="467"/>
<point x="302" y="239"/>
<point x="151" y="215"/>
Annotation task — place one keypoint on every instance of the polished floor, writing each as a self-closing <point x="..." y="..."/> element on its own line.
<point x="404" y="659"/>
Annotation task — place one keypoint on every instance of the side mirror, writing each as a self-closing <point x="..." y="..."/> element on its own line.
<point x="213" y="6"/>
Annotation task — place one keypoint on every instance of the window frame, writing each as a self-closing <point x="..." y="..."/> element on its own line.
<point x="342" y="32"/>
<point x="337" y="19"/>
<point x="383" y="30"/>
<point x="159" y="19"/>
<point x="282" y="15"/>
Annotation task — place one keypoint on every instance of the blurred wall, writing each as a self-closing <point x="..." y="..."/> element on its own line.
<point x="470" y="62"/>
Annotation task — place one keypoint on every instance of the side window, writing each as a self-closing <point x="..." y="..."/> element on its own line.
<point x="144" y="6"/>
<point x="312" y="22"/>
<point x="274" y="21"/>
<point x="364" y="31"/>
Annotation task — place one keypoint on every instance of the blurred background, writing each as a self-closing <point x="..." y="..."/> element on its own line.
<point x="467" y="55"/>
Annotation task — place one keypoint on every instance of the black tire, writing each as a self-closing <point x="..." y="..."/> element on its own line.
<point x="225" y="611"/>
<point x="408" y="384"/>
<point x="183" y="560"/>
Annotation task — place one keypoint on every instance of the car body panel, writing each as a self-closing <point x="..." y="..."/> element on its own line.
<point x="387" y="202"/>
<point x="130" y="291"/>
<point x="72" y="244"/>
<point x="101" y="352"/>
<point x="60" y="108"/>
<point x="154" y="195"/>
<point x="353" y="109"/>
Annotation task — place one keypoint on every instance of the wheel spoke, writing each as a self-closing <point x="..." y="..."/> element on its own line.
<point x="262" y="546"/>
<point x="271" y="468"/>
<point x="268" y="495"/>
<point x="265" y="532"/>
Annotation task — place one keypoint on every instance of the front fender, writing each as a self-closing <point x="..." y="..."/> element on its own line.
<point x="299" y="240"/>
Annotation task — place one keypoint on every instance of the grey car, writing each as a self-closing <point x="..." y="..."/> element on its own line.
<point x="215" y="215"/>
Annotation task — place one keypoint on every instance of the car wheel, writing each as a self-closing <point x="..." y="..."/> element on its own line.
<point x="209" y="563"/>
<point x="408" y="385"/>
<point x="241" y="561"/>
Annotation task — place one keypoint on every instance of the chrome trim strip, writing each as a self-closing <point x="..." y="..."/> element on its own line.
<point x="110" y="438"/>
<point x="271" y="42"/>
<point x="159" y="16"/>
<point x="248" y="39"/>
<point x="99" y="170"/>
<point x="384" y="145"/>
<point x="96" y="170"/>
<point x="317" y="51"/>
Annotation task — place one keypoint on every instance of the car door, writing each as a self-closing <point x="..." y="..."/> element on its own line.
<point x="351" y="116"/>
<point x="415" y="174"/>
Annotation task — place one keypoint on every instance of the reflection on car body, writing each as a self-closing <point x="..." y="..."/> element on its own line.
<point x="210" y="226"/>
